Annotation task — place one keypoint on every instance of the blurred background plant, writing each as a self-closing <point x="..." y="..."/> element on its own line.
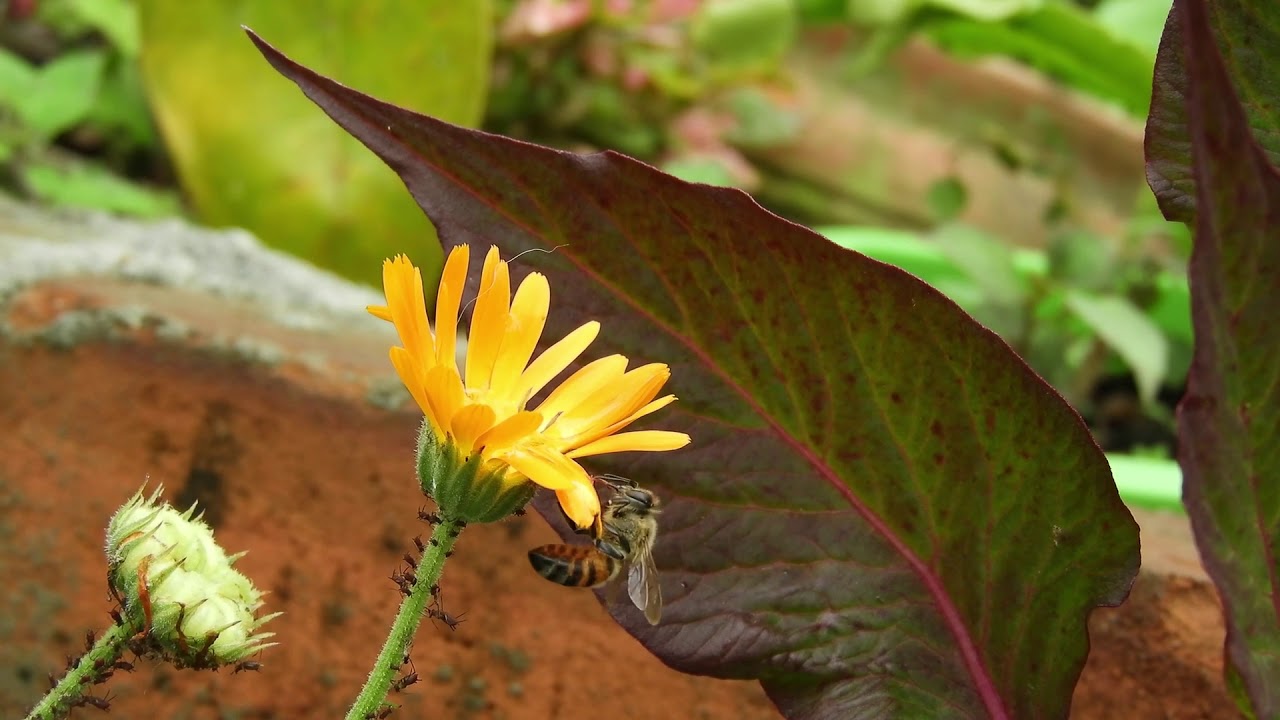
<point x="991" y="147"/>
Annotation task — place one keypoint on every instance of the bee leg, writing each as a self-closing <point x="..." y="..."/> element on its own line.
<point x="594" y="529"/>
<point x="616" y="551"/>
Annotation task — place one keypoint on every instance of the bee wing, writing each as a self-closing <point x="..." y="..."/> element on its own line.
<point x="644" y="589"/>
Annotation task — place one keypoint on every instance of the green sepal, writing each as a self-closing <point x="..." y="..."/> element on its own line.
<point x="467" y="488"/>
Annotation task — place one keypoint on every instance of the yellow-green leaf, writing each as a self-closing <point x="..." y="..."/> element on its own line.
<point x="252" y="153"/>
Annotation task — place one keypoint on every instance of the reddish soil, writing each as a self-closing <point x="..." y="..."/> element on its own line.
<point x="294" y="463"/>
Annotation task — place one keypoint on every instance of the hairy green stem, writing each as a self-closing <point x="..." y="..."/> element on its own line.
<point x="385" y="671"/>
<point x="94" y="667"/>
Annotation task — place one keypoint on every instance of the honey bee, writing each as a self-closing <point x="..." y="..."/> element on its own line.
<point x="623" y="539"/>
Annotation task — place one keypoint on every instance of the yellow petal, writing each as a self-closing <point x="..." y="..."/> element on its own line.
<point x="581" y="504"/>
<point x="589" y="434"/>
<point x="555" y="359"/>
<point x="444" y="391"/>
<point x="592" y="378"/>
<point x="411" y="375"/>
<point x="590" y="419"/>
<point x="402" y="283"/>
<point x="528" y="316"/>
<point x="502" y="436"/>
<point x="546" y="466"/>
<point x="470" y="423"/>
<point x="638" y="441"/>
<point x="382" y="312"/>
<point x="448" y="298"/>
<point x="488" y="322"/>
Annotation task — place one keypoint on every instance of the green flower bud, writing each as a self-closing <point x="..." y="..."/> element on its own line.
<point x="173" y="579"/>
<point x="469" y="489"/>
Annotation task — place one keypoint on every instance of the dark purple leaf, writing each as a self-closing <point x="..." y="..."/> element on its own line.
<point x="1228" y="421"/>
<point x="1167" y="147"/>
<point x="884" y="512"/>
<point x="1247" y="35"/>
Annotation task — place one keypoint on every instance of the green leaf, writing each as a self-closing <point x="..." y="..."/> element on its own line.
<point x="117" y="20"/>
<point x="884" y="513"/>
<point x="990" y="10"/>
<point x="251" y="153"/>
<point x="63" y="92"/>
<point x="947" y="198"/>
<point x="1228" y="418"/>
<point x="743" y="33"/>
<point x="1062" y="41"/>
<point x="1137" y="21"/>
<point x="17" y="77"/>
<point x="700" y="170"/>
<point x="121" y="107"/>
<point x="90" y="186"/>
<point x="1082" y="259"/>
<point x="882" y="12"/>
<point x="1129" y="333"/>
<point x="985" y="259"/>
<point x="759" y="121"/>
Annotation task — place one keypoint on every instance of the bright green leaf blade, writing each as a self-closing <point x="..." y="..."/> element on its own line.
<point x="89" y="186"/>
<point x="1228" y="420"/>
<point x="117" y="20"/>
<point x="1139" y="22"/>
<point x="884" y="513"/>
<point x="989" y="10"/>
<point x="1065" y="43"/>
<point x="1128" y="332"/>
<point x="63" y="92"/>
<point x="121" y="108"/>
<point x="1147" y="482"/>
<point x="251" y="153"/>
<point x="16" y="79"/>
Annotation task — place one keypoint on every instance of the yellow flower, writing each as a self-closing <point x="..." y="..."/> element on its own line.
<point x="481" y="415"/>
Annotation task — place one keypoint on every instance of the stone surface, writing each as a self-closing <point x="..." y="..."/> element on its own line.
<point x="258" y="386"/>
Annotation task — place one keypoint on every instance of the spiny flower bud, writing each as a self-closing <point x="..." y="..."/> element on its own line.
<point x="174" y="580"/>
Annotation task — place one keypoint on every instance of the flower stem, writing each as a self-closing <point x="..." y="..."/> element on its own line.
<point x="391" y="659"/>
<point x="94" y="667"/>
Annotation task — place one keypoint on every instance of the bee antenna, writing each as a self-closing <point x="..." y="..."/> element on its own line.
<point x="615" y="480"/>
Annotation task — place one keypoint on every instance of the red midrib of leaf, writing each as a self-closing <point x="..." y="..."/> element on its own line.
<point x="973" y="662"/>
<point x="951" y="615"/>
<point x="1266" y="542"/>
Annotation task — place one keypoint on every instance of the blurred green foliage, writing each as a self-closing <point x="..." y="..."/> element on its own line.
<point x="253" y="152"/>
<point x="60" y="113"/>
<point x="1063" y="41"/>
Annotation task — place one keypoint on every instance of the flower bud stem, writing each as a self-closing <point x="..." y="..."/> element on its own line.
<point x="94" y="667"/>
<point x="388" y="666"/>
